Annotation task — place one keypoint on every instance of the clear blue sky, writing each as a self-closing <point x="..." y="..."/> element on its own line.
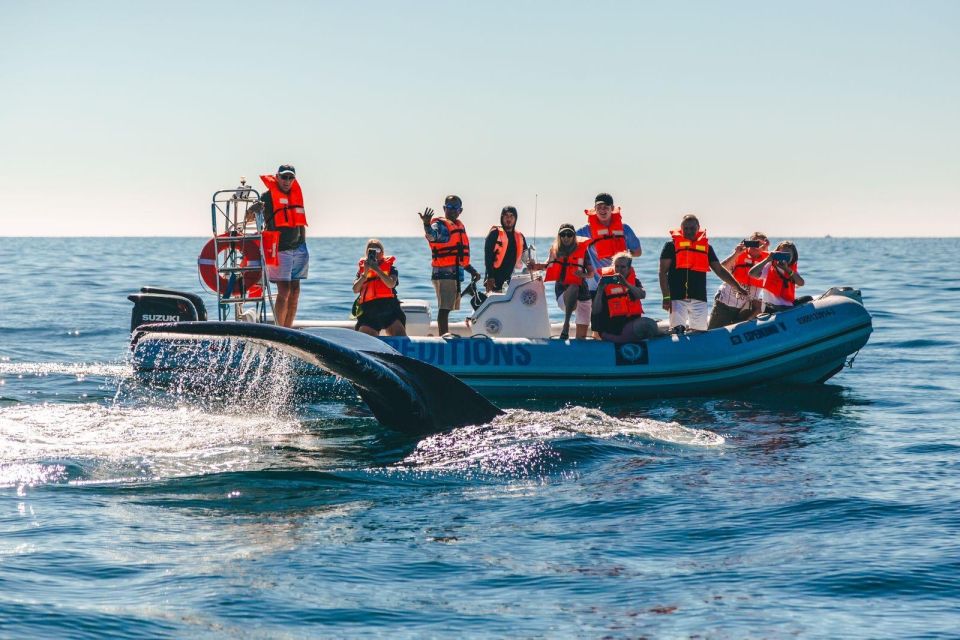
<point x="802" y="118"/>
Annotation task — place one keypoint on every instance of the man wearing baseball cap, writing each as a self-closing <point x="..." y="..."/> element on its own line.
<point x="608" y="236"/>
<point x="450" y="256"/>
<point x="285" y="221"/>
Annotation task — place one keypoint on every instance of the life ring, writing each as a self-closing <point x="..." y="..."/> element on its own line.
<point x="249" y="256"/>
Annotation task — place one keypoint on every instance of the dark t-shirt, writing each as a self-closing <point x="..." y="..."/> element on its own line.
<point x="686" y="283"/>
<point x="290" y="237"/>
<point x="502" y="274"/>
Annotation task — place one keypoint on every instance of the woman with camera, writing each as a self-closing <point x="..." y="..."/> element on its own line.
<point x="778" y="272"/>
<point x="729" y="305"/>
<point x="378" y="308"/>
<point x="617" y="310"/>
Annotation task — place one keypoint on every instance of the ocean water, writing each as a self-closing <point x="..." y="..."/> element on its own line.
<point x="827" y="512"/>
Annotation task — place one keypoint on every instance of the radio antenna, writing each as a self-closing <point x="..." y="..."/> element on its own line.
<point x="536" y="201"/>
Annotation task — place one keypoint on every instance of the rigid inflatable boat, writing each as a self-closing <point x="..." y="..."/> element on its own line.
<point x="807" y="344"/>
<point x="508" y="348"/>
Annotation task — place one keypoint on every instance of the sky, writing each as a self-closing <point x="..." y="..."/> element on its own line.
<point x="798" y="118"/>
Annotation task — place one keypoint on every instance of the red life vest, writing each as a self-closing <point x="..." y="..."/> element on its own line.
<point x="783" y="288"/>
<point x="691" y="254"/>
<point x="617" y="296"/>
<point x="607" y="241"/>
<point x="456" y="250"/>
<point x="564" y="268"/>
<point x="373" y="287"/>
<point x="741" y="270"/>
<point x="500" y="249"/>
<point x="287" y="207"/>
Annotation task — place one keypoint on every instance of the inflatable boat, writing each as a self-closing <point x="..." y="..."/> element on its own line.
<point x="807" y="344"/>
<point x="508" y="348"/>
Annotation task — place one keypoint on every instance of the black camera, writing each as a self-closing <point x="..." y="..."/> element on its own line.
<point x="751" y="244"/>
<point x="371" y="255"/>
<point x="781" y="256"/>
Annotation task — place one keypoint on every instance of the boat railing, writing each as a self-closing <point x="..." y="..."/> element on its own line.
<point x="239" y="254"/>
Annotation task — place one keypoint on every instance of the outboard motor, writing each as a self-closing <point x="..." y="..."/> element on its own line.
<point x="165" y="305"/>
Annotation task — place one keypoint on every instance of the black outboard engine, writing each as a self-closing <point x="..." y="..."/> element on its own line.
<point x="165" y="305"/>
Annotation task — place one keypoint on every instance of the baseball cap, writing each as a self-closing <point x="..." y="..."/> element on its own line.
<point x="453" y="201"/>
<point x="287" y="169"/>
<point x="603" y="198"/>
<point x="566" y="225"/>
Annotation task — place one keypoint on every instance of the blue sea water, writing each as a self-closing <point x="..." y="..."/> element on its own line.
<point x="829" y="511"/>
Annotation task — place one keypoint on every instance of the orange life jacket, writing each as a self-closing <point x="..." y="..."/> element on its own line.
<point x="617" y="296"/>
<point x="373" y="287"/>
<point x="287" y="207"/>
<point x="607" y="241"/>
<point x="691" y="254"/>
<point x="564" y="268"/>
<point x="741" y="269"/>
<point x="456" y="250"/>
<point x="500" y="249"/>
<point x="779" y="286"/>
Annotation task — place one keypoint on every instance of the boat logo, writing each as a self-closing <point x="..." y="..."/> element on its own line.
<point x="150" y="317"/>
<point x="529" y="298"/>
<point x="632" y="353"/>
<point x="493" y="326"/>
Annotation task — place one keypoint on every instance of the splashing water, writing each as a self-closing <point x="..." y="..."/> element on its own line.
<point x="519" y="442"/>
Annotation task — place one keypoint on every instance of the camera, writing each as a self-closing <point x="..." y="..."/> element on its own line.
<point x="751" y="244"/>
<point x="781" y="256"/>
<point x="371" y="255"/>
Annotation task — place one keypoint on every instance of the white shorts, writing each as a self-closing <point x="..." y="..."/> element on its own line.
<point x="294" y="265"/>
<point x="584" y="308"/>
<point x="691" y="314"/>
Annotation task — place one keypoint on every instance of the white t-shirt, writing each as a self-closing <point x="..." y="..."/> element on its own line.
<point x="732" y="298"/>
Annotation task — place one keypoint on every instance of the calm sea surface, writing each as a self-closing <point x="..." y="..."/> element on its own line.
<point x="830" y="512"/>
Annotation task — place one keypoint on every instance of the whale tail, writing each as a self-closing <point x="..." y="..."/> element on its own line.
<point x="403" y="393"/>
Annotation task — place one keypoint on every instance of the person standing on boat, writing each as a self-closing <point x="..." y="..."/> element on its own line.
<point x="285" y="238"/>
<point x="503" y="250"/>
<point x="780" y="278"/>
<point x="728" y="305"/>
<point x="617" y="310"/>
<point x="684" y="262"/>
<point x="608" y="236"/>
<point x="450" y="256"/>
<point x="378" y="308"/>
<point x="568" y="266"/>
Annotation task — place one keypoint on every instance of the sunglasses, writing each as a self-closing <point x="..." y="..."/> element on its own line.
<point x="288" y="177"/>
<point x="622" y="265"/>
<point x="566" y="234"/>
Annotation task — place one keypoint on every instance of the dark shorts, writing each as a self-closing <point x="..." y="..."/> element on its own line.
<point x="601" y="323"/>
<point x="721" y="315"/>
<point x="583" y="294"/>
<point x="380" y="314"/>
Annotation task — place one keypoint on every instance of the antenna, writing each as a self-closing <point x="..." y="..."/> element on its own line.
<point x="536" y="202"/>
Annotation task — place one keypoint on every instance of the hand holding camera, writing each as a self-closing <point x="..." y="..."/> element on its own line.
<point x="781" y="256"/>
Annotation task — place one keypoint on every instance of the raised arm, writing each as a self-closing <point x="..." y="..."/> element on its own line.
<point x="726" y="276"/>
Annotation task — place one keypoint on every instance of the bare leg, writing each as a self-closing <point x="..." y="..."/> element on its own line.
<point x="569" y="306"/>
<point x="280" y="303"/>
<point x="443" y="319"/>
<point x="396" y="329"/>
<point x="292" y="302"/>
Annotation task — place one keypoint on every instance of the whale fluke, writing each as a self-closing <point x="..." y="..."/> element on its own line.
<point x="403" y="393"/>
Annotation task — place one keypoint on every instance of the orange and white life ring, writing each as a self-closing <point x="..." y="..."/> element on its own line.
<point x="249" y="256"/>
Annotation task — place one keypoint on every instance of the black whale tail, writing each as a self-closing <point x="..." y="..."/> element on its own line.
<point x="403" y="393"/>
